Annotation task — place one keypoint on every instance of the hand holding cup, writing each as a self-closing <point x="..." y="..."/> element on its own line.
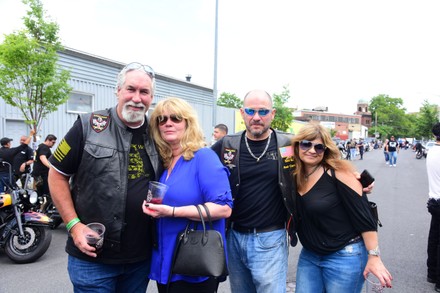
<point x="94" y="233"/>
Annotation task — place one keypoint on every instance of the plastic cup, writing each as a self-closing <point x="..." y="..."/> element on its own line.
<point x="156" y="192"/>
<point x="95" y="235"/>
<point x="373" y="285"/>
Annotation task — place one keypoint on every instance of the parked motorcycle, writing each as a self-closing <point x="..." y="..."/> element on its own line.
<point x="24" y="234"/>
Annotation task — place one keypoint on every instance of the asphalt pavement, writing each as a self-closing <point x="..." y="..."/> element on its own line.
<point x="400" y="192"/>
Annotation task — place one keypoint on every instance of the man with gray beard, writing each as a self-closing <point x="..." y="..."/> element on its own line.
<point x="109" y="158"/>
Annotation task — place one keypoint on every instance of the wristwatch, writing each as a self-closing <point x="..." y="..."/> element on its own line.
<point x="375" y="252"/>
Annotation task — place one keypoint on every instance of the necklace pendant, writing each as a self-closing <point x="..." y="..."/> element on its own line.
<point x="258" y="160"/>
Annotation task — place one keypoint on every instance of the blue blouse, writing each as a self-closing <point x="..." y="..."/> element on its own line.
<point x="200" y="180"/>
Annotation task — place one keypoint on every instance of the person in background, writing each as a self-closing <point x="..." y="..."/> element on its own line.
<point x="336" y="228"/>
<point x="195" y="176"/>
<point x="23" y="161"/>
<point x="261" y="163"/>
<point x="7" y="154"/>
<point x="392" y="148"/>
<point x="220" y="130"/>
<point x="40" y="170"/>
<point x="110" y="158"/>
<point x="433" y="169"/>
<point x="353" y="149"/>
<point x="385" y="152"/>
<point x="360" y="148"/>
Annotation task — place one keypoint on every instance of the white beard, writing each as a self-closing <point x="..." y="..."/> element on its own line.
<point x="133" y="116"/>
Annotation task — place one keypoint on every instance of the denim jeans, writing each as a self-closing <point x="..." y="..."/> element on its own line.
<point x="4" y="179"/>
<point x="94" y="277"/>
<point x="257" y="261"/>
<point x="387" y="156"/>
<point x="393" y="158"/>
<point x="339" y="272"/>
<point x="352" y="154"/>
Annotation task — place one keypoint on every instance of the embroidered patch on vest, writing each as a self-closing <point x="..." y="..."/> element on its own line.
<point x="229" y="156"/>
<point x="99" y="122"/>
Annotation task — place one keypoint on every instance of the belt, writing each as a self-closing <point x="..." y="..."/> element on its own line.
<point x="355" y="240"/>
<point x="270" y="228"/>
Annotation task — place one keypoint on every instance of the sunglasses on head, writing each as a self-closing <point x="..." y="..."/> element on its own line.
<point x="306" y="145"/>
<point x="162" y="119"/>
<point x="136" y="65"/>
<point x="261" y="112"/>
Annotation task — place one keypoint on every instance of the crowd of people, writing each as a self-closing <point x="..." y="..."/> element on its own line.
<point x="23" y="161"/>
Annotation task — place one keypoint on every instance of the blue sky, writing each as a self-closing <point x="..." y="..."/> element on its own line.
<point x="329" y="53"/>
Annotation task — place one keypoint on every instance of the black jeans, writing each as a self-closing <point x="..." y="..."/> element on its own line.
<point x="433" y="261"/>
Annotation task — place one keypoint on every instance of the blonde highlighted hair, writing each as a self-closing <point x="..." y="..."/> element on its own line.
<point x="192" y="139"/>
<point x="332" y="157"/>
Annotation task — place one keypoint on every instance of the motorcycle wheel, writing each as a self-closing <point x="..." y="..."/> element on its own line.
<point x="419" y="155"/>
<point x="29" y="248"/>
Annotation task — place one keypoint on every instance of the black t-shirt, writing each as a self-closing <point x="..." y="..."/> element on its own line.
<point x="8" y="154"/>
<point x="22" y="157"/>
<point x="392" y="145"/>
<point x="259" y="201"/>
<point x="136" y="241"/>
<point x="39" y="167"/>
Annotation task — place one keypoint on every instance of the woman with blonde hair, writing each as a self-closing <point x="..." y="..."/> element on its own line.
<point x="336" y="227"/>
<point x="194" y="176"/>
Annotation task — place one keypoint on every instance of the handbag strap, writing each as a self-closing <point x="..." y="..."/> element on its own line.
<point x="208" y="215"/>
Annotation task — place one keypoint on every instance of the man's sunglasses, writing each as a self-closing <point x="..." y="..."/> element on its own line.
<point x="162" y="119"/>
<point x="261" y="112"/>
<point x="306" y="145"/>
<point x="136" y="65"/>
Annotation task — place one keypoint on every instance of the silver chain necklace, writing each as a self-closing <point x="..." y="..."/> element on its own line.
<point x="251" y="153"/>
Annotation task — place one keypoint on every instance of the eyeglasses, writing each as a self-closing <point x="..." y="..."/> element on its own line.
<point x="261" y="112"/>
<point x="136" y="65"/>
<point x="162" y="119"/>
<point x="306" y="145"/>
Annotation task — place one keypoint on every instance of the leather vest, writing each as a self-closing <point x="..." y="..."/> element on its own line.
<point x="99" y="188"/>
<point x="230" y="154"/>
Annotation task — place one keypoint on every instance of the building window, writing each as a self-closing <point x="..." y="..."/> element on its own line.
<point x="80" y="103"/>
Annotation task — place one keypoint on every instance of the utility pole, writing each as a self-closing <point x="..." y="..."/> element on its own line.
<point x="214" y="89"/>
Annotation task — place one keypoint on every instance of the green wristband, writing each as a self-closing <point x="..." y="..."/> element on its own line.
<point x="72" y="223"/>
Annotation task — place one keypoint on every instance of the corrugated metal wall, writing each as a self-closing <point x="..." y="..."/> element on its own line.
<point x="96" y="76"/>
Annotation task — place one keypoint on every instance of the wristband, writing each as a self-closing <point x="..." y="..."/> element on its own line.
<point x="173" y="211"/>
<point x="72" y="223"/>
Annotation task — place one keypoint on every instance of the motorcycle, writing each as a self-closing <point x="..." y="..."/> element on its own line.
<point x="420" y="153"/>
<point x="24" y="233"/>
<point x="44" y="204"/>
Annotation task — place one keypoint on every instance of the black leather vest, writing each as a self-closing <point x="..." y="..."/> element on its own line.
<point x="99" y="188"/>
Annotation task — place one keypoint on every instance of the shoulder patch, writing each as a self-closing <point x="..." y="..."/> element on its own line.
<point x="99" y="122"/>
<point x="229" y="156"/>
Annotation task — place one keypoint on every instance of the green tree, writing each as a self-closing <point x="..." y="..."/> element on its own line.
<point x="428" y="116"/>
<point x="229" y="101"/>
<point x="30" y="78"/>
<point x="391" y="117"/>
<point x="283" y="118"/>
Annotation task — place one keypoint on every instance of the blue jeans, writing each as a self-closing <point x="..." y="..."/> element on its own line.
<point x="104" y="278"/>
<point x="352" y="154"/>
<point x="339" y="272"/>
<point x="257" y="261"/>
<point x="387" y="156"/>
<point x="393" y="158"/>
<point x="4" y="178"/>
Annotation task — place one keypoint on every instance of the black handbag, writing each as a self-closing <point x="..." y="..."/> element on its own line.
<point x="199" y="252"/>
<point x="374" y="212"/>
